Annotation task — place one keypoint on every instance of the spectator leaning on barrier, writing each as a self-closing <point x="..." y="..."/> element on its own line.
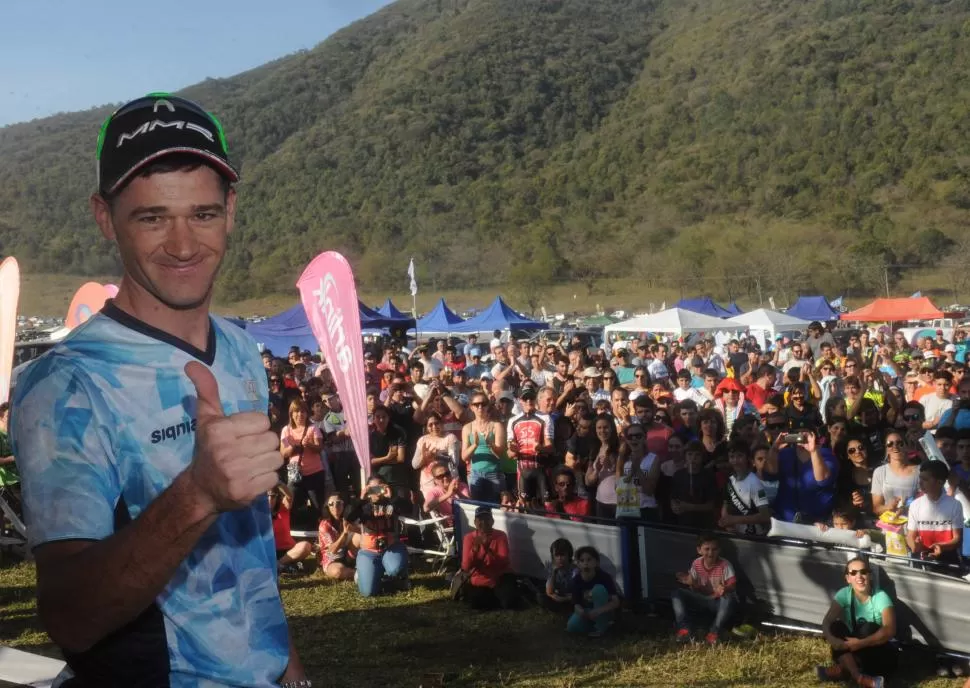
<point x="934" y="530"/>
<point x="807" y="476"/>
<point x="858" y="627"/>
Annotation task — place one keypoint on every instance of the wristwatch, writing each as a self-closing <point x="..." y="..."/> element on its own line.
<point x="305" y="683"/>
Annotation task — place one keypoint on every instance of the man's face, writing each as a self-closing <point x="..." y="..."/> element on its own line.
<point x="929" y="485"/>
<point x="562" y="367"/>
<point x="417" y="374"/>
<point x="963" y="451"/>
<point x="683" y="382"/>
<point x="483" y="524"/>
<point x="964" y="390"/>
<point x="710" y="382"/>
<point x="171" y="229"/>
<point x="796" y="352"/>
<point x="546" y="402"/>
<point x="942" y="387"/>
<point x="688" y="416"/>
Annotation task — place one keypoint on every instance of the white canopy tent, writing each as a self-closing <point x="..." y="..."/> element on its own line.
<point x="672" y="321"/>
<point x="765" y="320"/>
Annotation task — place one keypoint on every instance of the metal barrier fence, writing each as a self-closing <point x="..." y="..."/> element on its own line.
<point x="796" y="580"/>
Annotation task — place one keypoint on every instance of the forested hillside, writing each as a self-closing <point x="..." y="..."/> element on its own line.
<point x="724" y="146"/>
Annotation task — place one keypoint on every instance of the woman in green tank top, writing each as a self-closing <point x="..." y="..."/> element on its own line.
<point x="482" y="443"/>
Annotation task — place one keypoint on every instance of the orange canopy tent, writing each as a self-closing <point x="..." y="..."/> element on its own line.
<point x="919" y="308"/>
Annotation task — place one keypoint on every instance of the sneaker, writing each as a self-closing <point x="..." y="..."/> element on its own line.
<point x="744" y="631"/>
<point x="682" y="636"/>
<point x="711" y="639"/>
<point x="832" y="672"/>
<point x="871" y="681"/>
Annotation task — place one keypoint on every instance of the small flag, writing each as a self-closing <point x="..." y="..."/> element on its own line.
<point x="836" y="303"/>
<point x="414" y="283"/>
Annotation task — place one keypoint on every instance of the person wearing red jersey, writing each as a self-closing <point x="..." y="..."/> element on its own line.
<point x="527" y="439"/>
<point x="566" y="501"/>
<point x="935" y="527"/>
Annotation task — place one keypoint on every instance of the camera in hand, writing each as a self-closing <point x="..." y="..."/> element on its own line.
<point x="375" y="490"/>
<point x="795" y="438"/>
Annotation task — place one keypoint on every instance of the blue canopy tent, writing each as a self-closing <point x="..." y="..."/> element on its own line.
<point x="440" y="319"/>
<point x="292" y="328"/>
<point x="283" y="330"/>
<point x="499" y="316"/>
<point x="733" y="309"/>
<point x="704" y="305"/>
<point x="813" y="308"/>
<point x="389" y="310"/>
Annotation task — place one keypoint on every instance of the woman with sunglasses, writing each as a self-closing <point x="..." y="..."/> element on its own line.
<point x="602" y="469"/>
<point x="636" y="461"/>
<point x="339" y="541"/>
<point x="894" y="483"/>
<point x="433" y="446"/>
<point x="914" y="416"/>
<point x="441" y="498"/>
<point x="854" y="485"/>
<point x="483" y="443"/>
<point x="858" y="627"/>
<point x="301" y="444"/>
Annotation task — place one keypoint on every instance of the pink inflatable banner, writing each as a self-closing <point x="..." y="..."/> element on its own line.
<point x="329" y="297"/>
<point x="9" y="296"/>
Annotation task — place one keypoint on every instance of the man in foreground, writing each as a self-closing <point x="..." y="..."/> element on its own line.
<point x="143" y="440"/>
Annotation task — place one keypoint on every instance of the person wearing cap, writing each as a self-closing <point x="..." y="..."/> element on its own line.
<point x="527" y="440"/>
<point x="143" y="439"/>
<point x="485" y="559"/>
<point x="592" y="380"/>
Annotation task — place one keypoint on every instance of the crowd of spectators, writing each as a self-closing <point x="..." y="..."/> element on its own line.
<point x="814" y="430"/>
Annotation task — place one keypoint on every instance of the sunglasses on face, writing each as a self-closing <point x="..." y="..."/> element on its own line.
<point x="635" y="436"/>
<point x="563" y="483"/>
<point x="897" y="444"/>
<point x="857" y="572"/>
<point x="335" y="502"/>
<point x="479" y="404"/>
<point x="856" y="450"/>
<point x="442" y="476"/>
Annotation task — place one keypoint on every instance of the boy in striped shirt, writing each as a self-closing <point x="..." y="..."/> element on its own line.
<point x="709" y="587"/>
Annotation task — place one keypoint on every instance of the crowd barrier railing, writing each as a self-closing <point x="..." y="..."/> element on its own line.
<point x="788" y="579"/>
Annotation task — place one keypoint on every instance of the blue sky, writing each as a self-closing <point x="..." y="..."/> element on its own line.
<point x="64" y="55"/>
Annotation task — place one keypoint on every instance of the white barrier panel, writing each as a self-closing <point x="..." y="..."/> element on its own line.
<point x="26" y="669"/>
<point x="832" y="536"/>
<point x="531" y="536"/>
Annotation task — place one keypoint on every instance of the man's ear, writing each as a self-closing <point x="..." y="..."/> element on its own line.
<point x="102" y="215"/>
<point x="230" y="210"/>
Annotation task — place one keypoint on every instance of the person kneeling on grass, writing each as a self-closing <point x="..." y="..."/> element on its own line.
<point x="485" y="559"/>
<point x="595" y="597"/>
<point x="858" y="627"/>
<point x="289" y="553"/>
<point x="710" y="588"/>
<point x="558" y="594"/>
<point x="381" y="551"/>
<point x="339" y="541"/>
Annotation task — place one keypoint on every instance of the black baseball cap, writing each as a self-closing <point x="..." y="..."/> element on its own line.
<point x="158" y="124"/>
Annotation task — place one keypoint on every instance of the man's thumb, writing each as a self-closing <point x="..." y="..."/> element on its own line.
<point x="206" y="389"/>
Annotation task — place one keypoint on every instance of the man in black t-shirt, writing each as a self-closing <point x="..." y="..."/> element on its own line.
<point x="387" y="450"/>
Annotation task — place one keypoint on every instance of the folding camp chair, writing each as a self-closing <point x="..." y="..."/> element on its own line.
<point x="437" y="529"/>
<point x="13" y="534"/>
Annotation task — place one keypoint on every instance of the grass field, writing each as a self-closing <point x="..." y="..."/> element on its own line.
<point x="50" y="295"/>
<point x="423" y="638"/>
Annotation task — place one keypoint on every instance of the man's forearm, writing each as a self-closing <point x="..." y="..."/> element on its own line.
<point x="85" y="596"/>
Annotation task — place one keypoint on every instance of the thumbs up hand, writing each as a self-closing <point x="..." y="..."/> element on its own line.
<point x="236" y="457"/>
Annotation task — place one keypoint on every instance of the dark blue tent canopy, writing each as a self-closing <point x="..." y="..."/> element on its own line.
<point x="389" y="310"/>
<point x="733" y="309"/>
<point x="439" y="319"/>
<point x="499" y="316"/>
<point x="704" y="305"/>
<point x="813" y="308"/>
<point x="292" y="328"/>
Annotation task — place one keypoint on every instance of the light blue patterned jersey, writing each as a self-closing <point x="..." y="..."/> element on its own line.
<point x="102" y="424"/>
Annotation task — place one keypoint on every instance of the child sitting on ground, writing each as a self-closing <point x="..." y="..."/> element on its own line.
<point x="558" y="595"/>
<point x="595" y="597"/>
<point x="709" y="587"/>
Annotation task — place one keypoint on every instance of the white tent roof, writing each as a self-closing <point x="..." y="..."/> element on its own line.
<point x="673" y="320"/>
<point x="769" y="321"/>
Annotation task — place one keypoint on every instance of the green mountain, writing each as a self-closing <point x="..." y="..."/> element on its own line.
<point x="722" y="146"/>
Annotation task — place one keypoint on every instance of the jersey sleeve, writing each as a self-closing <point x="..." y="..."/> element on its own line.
<point x="60" y="432"/>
